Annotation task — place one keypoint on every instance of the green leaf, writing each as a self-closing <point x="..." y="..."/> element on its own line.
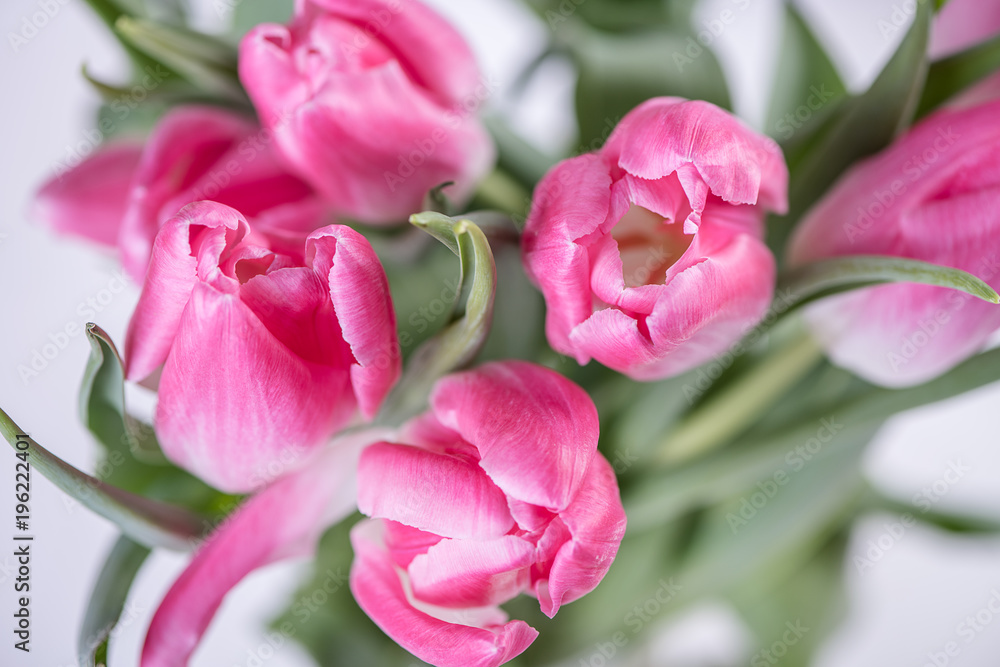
<point x="249" y="13"/>
<point x="860" y="126"/>
<point x="132" y="459"/>
<point x="952" y="75"/>
<point x="946" y="520"/>
<point x="738" y="405"/>
<point x="205" y="61"/>
<point x="146" y="521"/>
<point x="107" y="600"/>
<point x="807" y="85"/>
<point x="832" y="276"/>
<point x="468" y="324"/>
<point x="617" y="73"/>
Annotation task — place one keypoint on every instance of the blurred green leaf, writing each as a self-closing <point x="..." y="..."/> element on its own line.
<point x="467" y="326"/>
<point x="205" y="61"/>
<point x="810" y="601"/>
<point x="858" y="127"/>
<point x="614" y="15"/>
<point x="807" y="85"/>
<point x="833" y="276"/>
<point x="107" y="600"/>
<point x="148" y="522"/>
<point x="950" y="76"/>
<point x="617" y="73"/>
<point x="249" y="13"/>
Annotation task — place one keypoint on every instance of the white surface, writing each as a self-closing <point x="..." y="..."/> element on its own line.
<point x="908" y="604"/>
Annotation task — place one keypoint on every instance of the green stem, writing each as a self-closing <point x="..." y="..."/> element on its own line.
<point x="500" y="191"/>
<point x="740" y="404"/>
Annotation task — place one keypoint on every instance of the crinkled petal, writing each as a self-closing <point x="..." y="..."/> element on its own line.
<point x="359" y="290"/>
<point x="662" y="135"/>
<point x="172" y="275"/>
<point x="433" y="492"/>
<point x="472" y="573"/>
<point x="596" y="524"/>
<point x="536" y="431"/>
<point x="379" y="591"/>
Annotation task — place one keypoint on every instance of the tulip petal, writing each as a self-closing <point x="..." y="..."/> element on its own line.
<point x="172" y="275"/>
<point x="227" y="411"/>
<point x="435" y="53"/>
<point x="535" y="430"/>
<point x="379" y="591"/>
<point x="433" y="492"/>
<point x="359" y="290"/>
<point x="283" y="521"/>
<point x="596" y="523"/>
<point x="472" y="573"/>
<point x="662" y="135"/>
<point x="89" y="200"/>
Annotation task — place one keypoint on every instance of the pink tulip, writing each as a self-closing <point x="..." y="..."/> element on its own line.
<point x="204" y="153"/>
<point x="497" y="490"/>
<point x="122" y="194"/>
<point x="372" y="101"/>
<point x="934" y="196"/>
<point x="649" y="252"/>
<point x="90" y="199"/>
<point x="263" y="356"/>
<point x="283" y="521"/>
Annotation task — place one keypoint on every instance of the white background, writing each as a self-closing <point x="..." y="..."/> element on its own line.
<point x="906" y="606"/>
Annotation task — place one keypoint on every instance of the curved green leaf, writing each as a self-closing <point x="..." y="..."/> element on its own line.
<point x="107" y="600"/>
<point x="840" y="274"/>
<point x="468" y="325"/>
<point x="148" y="522"/>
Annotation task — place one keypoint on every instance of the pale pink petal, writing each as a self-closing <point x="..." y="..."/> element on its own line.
<point x="359" y="291"/>
<point x="379" y="591"/>
<point x="233" y="399"/>
<point x="433" y="492"/>
<point x="472" y="573"/>
<point x="962" y="24"/>
<point x="596" y="524"/>
<point x="535" y="430"/>
<point x="285" y="520"/>
<point x="89" y="200"/>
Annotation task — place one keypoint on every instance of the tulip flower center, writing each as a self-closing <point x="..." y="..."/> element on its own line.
<point x="649" y="244"/>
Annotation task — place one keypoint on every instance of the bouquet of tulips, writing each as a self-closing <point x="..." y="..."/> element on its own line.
<point x="531" y="405"/>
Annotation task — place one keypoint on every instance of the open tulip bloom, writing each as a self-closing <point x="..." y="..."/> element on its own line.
<point x="397" y="342"/>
